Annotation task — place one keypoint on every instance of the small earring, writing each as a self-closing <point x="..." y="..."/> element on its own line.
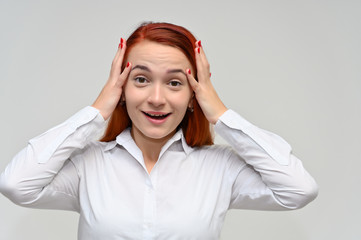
<point x="190" y="109"/>
<point x="122" y="100"/>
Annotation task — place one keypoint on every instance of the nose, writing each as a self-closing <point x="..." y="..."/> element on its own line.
<point x="156" y="95"/>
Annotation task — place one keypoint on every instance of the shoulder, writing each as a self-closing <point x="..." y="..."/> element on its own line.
<point x="216" y="149"/>
<point x="93" y="151"/>
<point x="214" y="153"/>
<point x="222" y="153"/>
<point x="97" y="146"/>
<point x="217" y="160"/>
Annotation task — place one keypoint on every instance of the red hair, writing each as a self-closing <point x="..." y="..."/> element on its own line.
<point x="195" y="126"/>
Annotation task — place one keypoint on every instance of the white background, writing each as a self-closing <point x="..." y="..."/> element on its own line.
<point x="291" y="67"/>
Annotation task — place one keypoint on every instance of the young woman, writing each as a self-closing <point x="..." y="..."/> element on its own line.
<point x="156" y="174"/>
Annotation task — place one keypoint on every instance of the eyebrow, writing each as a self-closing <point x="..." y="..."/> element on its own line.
<point x="145" y="68"/>
<point x="176" y="71"/>
<point x="142" y="67"/>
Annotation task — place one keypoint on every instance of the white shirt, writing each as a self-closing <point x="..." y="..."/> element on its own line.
<point x="186" y="195"/>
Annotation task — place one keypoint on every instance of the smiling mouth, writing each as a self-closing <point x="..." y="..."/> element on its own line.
<point x="157" y="116"/>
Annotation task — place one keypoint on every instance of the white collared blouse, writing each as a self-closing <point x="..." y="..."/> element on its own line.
<point x="185" y="196"/>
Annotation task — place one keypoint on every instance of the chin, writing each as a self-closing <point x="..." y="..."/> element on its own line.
<point x="158" y="134"/>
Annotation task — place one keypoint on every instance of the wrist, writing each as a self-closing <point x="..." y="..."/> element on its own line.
<point x="102" y="112"/>
<point x="221" y="110"/>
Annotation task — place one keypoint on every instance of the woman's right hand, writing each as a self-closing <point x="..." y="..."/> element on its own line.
<point x="111" y="93"/>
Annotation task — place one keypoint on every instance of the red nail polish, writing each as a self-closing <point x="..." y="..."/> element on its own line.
<point x="210" y="74"/>
<point x="119" y="45"/>
<point x="199" y="50"/>
<point x="199" y="43"/>
<point x="128" y="64"/>
<point x="189" y="71"/>
<point x="121" y="40"/>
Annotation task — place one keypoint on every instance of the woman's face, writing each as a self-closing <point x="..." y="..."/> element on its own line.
<point x="157" y="92"/>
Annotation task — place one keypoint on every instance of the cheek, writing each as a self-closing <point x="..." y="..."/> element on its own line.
<point x="130" y="93"/>
<point x="131" y="101"/>
<point x="126" y="89"/>
<point x="181" y="102"/>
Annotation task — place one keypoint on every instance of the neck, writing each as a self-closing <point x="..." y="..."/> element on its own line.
<point x="150" y="147"/>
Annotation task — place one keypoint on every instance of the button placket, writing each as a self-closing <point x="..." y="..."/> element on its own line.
<point x="149" y="210"/>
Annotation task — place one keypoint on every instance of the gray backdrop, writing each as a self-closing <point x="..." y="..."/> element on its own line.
<point x="292" y="67"/>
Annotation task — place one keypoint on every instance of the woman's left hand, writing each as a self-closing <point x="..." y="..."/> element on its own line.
<point x="206" y="95"/>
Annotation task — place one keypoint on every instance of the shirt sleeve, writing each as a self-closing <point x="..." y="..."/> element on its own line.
<point x="41" y="175"/>
<point x="272" y="178"/>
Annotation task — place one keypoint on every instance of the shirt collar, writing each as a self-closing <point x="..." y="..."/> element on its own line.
<point x="125" y="139"/>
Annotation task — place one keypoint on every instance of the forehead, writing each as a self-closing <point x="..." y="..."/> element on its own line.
<point x="157" y="55"/>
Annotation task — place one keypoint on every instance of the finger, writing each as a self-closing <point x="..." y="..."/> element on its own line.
<point x="204" y="60"/>
<point x="199" y="63"/>
<point x="199" y="43"/>
<point x="202" y="65"/>
<point x="120" y="46"/>
<point x="203" y="69"/>
<point x="192" y="81"/>
<point x="202" y="54"/>
<point x="124" y="76"/>
<point x="118" y="59"/>
<point x="120" y="52"/>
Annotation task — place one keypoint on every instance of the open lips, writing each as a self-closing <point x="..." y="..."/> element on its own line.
<point x="156" y="116"/>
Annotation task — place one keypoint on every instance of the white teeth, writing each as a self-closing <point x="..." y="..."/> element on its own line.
<point x="156" y="115"/>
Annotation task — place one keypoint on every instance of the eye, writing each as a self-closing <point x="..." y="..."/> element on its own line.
<point x="140" y="80"/>
<point x="174" y="83"/>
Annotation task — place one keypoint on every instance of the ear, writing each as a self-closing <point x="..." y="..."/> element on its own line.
<point x="122" y="99"/>
<point x="190" y="103"/>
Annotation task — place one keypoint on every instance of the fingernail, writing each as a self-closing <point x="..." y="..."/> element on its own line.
<point x="128" y="64"/>
<point x="121" y="44"/>
<point x="210" y="74"/>
<point x="199" y="50"/>
<point x="199" y="43"/>
<point x="189" y="71"/>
